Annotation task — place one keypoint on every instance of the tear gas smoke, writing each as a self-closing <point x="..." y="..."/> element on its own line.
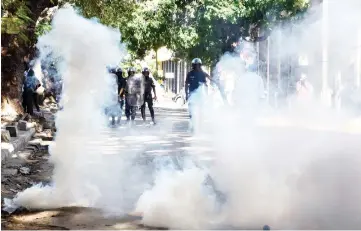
<point x="82" y="170"/>
<point x="37" y="70"/>
<point x="300" y="176"/>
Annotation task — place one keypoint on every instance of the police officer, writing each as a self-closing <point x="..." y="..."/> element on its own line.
<point x="195" y="78"/>
<point x="148" y="87"/>
<point x="130" y="109"/>
<point x="31" y="84"/>
<point x="121" y="85"/>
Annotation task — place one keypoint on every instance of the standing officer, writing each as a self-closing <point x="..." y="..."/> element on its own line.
<point x="134" y="92"/>
<point x="148" y="87"/>
<point x="195" y="78"/>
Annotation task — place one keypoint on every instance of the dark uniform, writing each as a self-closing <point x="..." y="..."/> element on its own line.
<point x="148" y="87"/>
<point x="121" y="85"/>
<point x="194" y="80"/>
<point x="132" y="91"/>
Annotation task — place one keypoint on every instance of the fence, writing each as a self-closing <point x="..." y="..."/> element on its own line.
<point x="175" y="72"/>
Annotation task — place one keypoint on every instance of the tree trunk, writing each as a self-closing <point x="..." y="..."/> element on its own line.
<point x="15" y="55"/>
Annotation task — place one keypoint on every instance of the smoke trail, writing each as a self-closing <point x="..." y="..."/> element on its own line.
<point x="81" y="172"/>
<point x="296" y="170"/>
<point x="303" y="176"/>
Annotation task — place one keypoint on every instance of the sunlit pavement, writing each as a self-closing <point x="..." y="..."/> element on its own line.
<point x="169" y="137"/>
<point x="169" y="141"/>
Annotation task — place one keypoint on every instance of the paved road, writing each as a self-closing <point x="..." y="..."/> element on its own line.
<point x="169" y="142"/>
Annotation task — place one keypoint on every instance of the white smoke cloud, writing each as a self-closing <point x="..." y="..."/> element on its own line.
<point x="295" y="170"/>
<point x="290" y="169"/>
<point x="86" y="48"/>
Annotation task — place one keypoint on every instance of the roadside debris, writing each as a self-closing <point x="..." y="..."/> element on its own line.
<point x="25" y="170"/>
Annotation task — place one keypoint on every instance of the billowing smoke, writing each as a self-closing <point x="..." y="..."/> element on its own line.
<point x="294" y="168"/>
<point x="290" y="169"/>
<point x="83" y="174"/>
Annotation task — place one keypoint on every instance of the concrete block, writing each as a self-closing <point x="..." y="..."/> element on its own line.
<point x="16" y="144"/>
<point x="12" y="130"/>
<point x="22" y="125"/>
<point x="5" y="135"/>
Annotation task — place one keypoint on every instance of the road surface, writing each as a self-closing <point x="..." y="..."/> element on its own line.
<point x="167" y="142"/>
<point x="169" y="139"/>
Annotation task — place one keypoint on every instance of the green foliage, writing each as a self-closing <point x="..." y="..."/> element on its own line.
<point x="202" y="28"/>
<point x="221" y="23"/>
<point x="154" y="24"/>
<point x="42" y="28"/>
<point x="192" y="28"/>
<point x="15" y="18"/>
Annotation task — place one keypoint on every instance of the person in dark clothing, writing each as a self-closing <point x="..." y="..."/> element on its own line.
<point x="121" y="82"/>
<point x="195" y="78"/>
<point x="130" y="108"/>
<point x="148" y="87"/>
<point x="29" y="92"/>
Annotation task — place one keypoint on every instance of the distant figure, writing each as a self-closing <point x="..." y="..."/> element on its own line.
<point x="121" y="82"/>
<point x="30" y="100"/>
<point x="134" y="93"/>
<point x="195" y="78"/>
<point x="304" y="89"/>
<point x="148" y="98"/>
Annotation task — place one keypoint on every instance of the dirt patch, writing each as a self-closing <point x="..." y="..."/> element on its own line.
<point x="14" y="181"/>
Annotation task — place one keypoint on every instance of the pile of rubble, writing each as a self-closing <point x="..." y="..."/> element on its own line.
<point x="24" y="150"/>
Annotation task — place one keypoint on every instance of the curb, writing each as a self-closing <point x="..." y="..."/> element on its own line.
<point x="16" y="144"/>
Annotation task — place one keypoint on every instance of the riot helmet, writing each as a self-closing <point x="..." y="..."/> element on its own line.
<point x="118" y="70"/>
<point x="196" y="63"/>
<point x="131" y="71"/>
<point x="146" y="71"/>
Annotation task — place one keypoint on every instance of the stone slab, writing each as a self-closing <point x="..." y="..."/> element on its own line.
<point x="12" y="130"/>
<point x="22" y="125"/>
<point x="16" y="143"/>
<point x="5" y="135"/>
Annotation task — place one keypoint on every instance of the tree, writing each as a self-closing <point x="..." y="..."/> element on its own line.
<point x="18" y="37"/>
<point x="191" y="28"/>
<point x="222" y="23"/>
<point x="203" y="28"/>
<point x="159" y="23"/>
